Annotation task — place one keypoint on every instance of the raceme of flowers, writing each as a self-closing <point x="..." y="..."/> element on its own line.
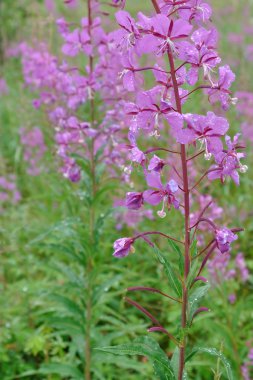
<point x="64" y="89"/>
<point x="34" y="149"/>
<point x="9" y="193"/>
<point x="187" y="34"/>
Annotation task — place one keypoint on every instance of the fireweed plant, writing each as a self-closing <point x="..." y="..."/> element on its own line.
<point x="181" y="42"/>
<point x="84" y="103"/>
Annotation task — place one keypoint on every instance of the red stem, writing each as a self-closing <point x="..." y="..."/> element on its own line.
<point x="143" y="310"/>
<point x="201" y="178"/>
<point x="195" y="155"/>
<point x="198" y="88"/>
<point x="163" y="330"/>
<point x="157" y="233"/>
<point x="187" y="261"/>
<point x="89" y="268"/>
<point x="152" y="290"/>
<point x="151" y="150"/>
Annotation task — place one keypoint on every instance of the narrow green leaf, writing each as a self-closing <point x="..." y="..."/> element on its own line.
<point x="216" y="353"/>
<point x="71" y="307"/>
<point x="172" y="277"/>
<point x="64" y="370"/>
<point x="66" y="325"/>
<point x="195" y="299"/>
<point x="194" y="248"/>
<point x="82" y="162"/>
<point x="177" y="250"/>
<point x="70" y="275"/>
<point x="148" y="347"/>
<point x="192" y="274"/>
<point x="103" y="192"/>
<point x="175" y="362"/>
<point x="103" y="288"/>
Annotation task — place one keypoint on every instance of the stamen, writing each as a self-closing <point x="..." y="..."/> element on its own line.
<point x="207" y="154"/>
<point x="198" y="8"/>
<point x="122" y="73"/>
<point x="207" y="73"/>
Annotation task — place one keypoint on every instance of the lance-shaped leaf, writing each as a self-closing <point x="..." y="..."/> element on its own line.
<point x="70" y="307"/>
<point x="175" y="364"/>
<point x="64" y="370"/>
<point x="213" y="352"/>
<point x="195" y="299"/>
<point x="175" y="248"/>
<point x="192" y="274"/>
<point x="146" y="346"/>
<point x="172" y="277"/>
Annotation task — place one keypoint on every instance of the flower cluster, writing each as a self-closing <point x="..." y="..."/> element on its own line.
<point x="9" y="193"/>
<point x="223" y="268"/>
<point x="248" y="366"/>
<point x="3" y="87"/>
<point x="63" y="89"/>
<point x="179" y="34"/>
<point x="245" y="111"/>
<point x="34" y="149"/>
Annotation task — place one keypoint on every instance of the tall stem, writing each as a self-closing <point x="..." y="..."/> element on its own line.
<point x="187" y="261"/>
<point x="87" y="369"/>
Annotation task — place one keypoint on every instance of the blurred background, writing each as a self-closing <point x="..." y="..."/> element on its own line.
<point x="40" y="217"/>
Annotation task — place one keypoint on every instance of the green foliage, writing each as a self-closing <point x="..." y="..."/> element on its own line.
<point x="174" y="282"/>
<point x="216" y="353"/>
<point x="148" y="347"/>
<point x="46" y="245"/>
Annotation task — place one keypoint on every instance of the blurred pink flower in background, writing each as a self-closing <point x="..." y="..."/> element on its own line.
<point x="71" y="3"/>
<point x="34" y="149"/>
<point x="3" y="87"/>
<point x="50" y="6"/>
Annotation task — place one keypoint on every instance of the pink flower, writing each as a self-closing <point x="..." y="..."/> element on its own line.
<point x="161" y="193"/>
<point x="224" y="237"/>
<point x="122" y="247"/>
<point x="76" y="42"/>
<point x="134" y="200"/>
<point x="228" y="162"/>
<point x="162" y="33"/>
<point x="221" y="91"/>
